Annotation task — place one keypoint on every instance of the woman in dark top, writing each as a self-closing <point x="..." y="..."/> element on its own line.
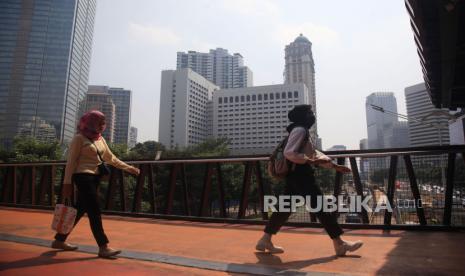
<point x="301" y="181"/>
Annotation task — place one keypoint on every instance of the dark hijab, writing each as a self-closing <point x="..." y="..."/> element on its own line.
<point x="301" y="115"/>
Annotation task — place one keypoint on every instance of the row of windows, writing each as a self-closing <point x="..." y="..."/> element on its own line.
<point x="258" y="97"/>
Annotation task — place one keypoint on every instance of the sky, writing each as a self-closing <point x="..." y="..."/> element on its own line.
<point x="359" y="47"/>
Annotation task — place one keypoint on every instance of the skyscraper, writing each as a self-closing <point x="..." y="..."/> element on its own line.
<point x="44" y="65"/>
<point x="380" y="125"/>
<point x="300" y="68"/>
<point x="122" y="99"/>
<point x="217" y="66"/>
<point x="132" y="137"/>
<point x="184" y="108"/>
<point x="98" y="98"/>
<point x="434" y="128"/>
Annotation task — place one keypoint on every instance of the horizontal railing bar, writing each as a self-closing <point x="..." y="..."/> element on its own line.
<point x="247" y="159"/>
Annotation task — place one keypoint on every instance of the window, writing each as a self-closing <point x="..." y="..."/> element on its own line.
<point x="259" y="97"/>
<point x="277" y="96"/>
<point x="231" y="99"/>
<point x="289" y="94"/>
<point x="283" y="95"/>
<point x="265" y="97"/>
<point x="220" y="100"/>
<point x="248" y="98"/>
<point x="254" y="98"/>
<point x="271" y="96"/>
<point x="236" y="99"/>
<point x="242" y="98"/>
<point x="225" y="100"/>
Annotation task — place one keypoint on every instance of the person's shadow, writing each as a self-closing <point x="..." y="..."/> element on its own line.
<point x="274" y="260"/>
<point x="46" y="258"/>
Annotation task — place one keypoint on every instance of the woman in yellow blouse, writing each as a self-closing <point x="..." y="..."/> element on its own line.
<point x="85" y="152"/>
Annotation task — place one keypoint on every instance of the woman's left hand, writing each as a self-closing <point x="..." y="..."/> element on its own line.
<point x="342" y="169"/>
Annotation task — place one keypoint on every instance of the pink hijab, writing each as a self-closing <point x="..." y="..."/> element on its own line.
<point x="89" y="124"/>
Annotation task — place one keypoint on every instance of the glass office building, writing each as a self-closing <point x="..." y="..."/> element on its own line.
<point x="45" y="51"/>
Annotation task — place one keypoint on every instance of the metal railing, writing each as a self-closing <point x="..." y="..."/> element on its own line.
<point x="430" y="179"/>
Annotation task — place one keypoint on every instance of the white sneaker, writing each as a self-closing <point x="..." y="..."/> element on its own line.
<point x="342" y="248"/>
<point x="263" y="245"/>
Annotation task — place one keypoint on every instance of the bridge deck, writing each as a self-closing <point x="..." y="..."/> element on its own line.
<point x="169" y="247"/>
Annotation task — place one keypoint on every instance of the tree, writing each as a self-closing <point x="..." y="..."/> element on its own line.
<point x="29" y="149"/>
<point x="145" y="150"/>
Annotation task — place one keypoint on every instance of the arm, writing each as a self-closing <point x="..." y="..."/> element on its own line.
<point x="294" y="145"/>
<point x="74" y="150"/>
<point x="111" y="159"/>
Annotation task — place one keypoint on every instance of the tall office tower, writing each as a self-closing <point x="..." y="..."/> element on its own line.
<point x="364" y="163"/>
<point x="300" y="68"/>
<point x="132" y="137"/>
<point x="400" y="138"/>
<point x="434" y="128"/>
<point x="44" y="65"/>
<point x="217" y="66"/>
<point x="380" y="125"/>
<point x="184" y="98"/>
<point x="122" y="99"/>
<point x="254" y="119"/>
<point x="98" y="98"/>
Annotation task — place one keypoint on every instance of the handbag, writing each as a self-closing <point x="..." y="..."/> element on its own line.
<point x="63" y="218"/>
<point x="103" y="168"/>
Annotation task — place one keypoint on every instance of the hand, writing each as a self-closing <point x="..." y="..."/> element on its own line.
<point x="342" y="169"/>
<point x="134" y="170"/>
<point x="66" y="193"/>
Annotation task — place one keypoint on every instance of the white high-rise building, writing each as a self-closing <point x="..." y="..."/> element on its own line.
<point x="434" y="128"/>
<point x="254" y="119"/>
<point x="380" y="125"/>
<point x="217" y="66"/>
<point x="184" y="100"/>
<point x="300" y="68"/>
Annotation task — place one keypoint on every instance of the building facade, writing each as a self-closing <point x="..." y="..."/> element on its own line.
<point x="44" y="65"/>
<point x="427" y="125"/>
<point x="122" y="98"/>
<point x="217" y="66"/>
<point x="254" y="119"/>
<point x="184" y="101"/>
<point x="132" y="137"/>
<point x="380" y="125"/>
<point x="98" y="98"/>
<point x="300" y="68"/>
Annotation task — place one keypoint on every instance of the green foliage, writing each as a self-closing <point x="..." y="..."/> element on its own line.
<point x="209" y="148"/>
<point x="119" y="150"/>
<point x="146" y="150"/>
<point x="29" y="149"/>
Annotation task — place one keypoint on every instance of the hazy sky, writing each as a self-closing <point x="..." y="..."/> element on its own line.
<point x="359" y="47"/>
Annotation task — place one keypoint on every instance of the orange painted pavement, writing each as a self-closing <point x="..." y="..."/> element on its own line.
<point x="307" y="249"/>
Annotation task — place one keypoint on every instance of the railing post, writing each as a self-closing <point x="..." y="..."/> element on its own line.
<point x="261" y="190"/>
<point x="123" y="196"/>
<point x="245" y="191"/>
<point x="136" y="205"/>
<point x="52" y="186"/>
<point x="186" y="191"/>
<point x="151" y="186"/>
<point x="171" y="189"/>
<point x="219" y="178"/>
<point x="204" y="200"/>
<point x="415" y="191"/>
<point x="449" y="189"/>
<point x="358" y="186"/>
<point x="391" y="188"/>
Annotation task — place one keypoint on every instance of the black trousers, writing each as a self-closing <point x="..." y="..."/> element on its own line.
<point x="87" y="202"/>
<point x="301" y="181"/>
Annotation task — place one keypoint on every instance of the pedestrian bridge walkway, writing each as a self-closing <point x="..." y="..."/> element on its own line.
<point x="152" y="247"/>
